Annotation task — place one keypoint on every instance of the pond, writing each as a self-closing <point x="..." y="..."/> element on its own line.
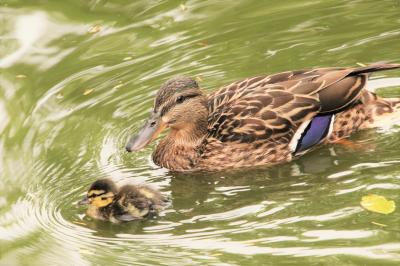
<point x="77" y="79"/>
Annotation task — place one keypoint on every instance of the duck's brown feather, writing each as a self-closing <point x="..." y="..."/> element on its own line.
<point x="273" y="107"/>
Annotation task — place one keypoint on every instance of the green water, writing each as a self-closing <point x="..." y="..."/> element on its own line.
<point x="55" y="141"/>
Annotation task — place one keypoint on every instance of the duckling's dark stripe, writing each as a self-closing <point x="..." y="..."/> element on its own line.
<point x="96" y="195"/>
<point x="317" y="130"/>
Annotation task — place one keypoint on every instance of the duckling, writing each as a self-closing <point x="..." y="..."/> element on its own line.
<point x="130" y="202"/>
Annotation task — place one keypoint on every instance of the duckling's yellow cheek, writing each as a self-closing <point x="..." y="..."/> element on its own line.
<point x="147" y="193"/>
<point x="99" y="202"/>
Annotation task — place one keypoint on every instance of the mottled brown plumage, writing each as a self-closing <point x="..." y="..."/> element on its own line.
<point x="259" y="120"/>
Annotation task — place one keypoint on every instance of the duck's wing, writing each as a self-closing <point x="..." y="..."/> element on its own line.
<point x="270" y="112"/>
<point x="230" y="93"/>
<point x="274" y="107"/>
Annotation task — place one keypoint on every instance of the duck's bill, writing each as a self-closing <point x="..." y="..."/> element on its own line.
<point x="147" y="134"/>
<point x="84" y="201"/>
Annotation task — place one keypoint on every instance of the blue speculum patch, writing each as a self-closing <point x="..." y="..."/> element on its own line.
<point x="317" y="130"/>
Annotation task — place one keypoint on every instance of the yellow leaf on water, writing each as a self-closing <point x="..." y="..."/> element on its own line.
<point x="379" y="204"/>
<point x="21" y="76"/>
<point x="87" y="91"/>
<point x="202" y="43"/>
<point x="361" y="64"/>
<point x="80" y="223"/>
<point x="94" y="29"/>
<point x="60" y="95"/>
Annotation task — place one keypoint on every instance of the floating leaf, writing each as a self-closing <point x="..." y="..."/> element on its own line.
<point x="21" y="76"/>
<point x="127" y="58"/>
<point x="80" y="223"/>
<point x="87" y="91"/>
<point x="60" y="95"/>
<point x="94" y="29"/>
<point x="361" y="64"/>
<point x="202" y="43"/>
<point x="379" y="204"/>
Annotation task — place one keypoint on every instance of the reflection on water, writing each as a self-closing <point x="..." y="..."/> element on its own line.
<point x="28" y="29"/>
<point x="56" y="139"/>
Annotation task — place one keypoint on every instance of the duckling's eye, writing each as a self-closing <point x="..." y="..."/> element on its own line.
<point x="103" y="198"/>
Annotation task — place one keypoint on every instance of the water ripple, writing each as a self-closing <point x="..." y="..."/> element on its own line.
<point x="56" y="140"/>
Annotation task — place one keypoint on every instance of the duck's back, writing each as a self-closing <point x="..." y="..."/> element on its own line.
<point x="256" y="120"/>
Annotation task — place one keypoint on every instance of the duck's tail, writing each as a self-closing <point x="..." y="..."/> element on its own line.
<point x="373" y="112"/>
<point x="383" y="113"/>
<point x="375" y="67"/>
<point x="388" y="121"/>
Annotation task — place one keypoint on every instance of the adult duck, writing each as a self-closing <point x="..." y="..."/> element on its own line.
<point x="262" y="120"/>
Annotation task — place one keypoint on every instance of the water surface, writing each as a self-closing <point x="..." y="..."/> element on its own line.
<point x="69" y="100"/>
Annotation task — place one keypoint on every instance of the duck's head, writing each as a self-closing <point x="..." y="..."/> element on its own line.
<point x="179" y="105"/>
<point x="100" y="194"/>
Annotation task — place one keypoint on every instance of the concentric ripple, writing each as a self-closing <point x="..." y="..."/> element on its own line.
<point x="70" y="99"/>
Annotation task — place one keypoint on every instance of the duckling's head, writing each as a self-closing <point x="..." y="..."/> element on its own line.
<point x="100" y="194"/>
<point x="179" y="105"/>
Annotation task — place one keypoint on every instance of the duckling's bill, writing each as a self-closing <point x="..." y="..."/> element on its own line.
<point x="84" y="201"/>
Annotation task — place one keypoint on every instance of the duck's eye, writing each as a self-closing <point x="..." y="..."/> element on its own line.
<point x="183" y="98"/>
<point x="180" y="99"/>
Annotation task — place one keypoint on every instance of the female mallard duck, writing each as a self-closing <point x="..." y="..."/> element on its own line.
<point x="108" y="202"/>
<point x="262" y="120"/>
